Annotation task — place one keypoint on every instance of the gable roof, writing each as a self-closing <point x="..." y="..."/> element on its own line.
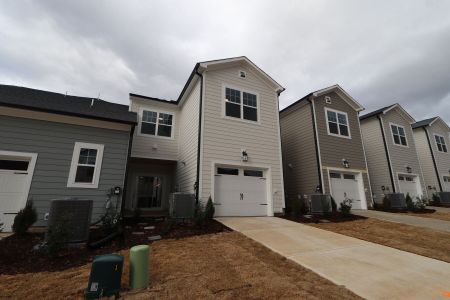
<point x="154" y="99"/>
<point x="386" y="109"/>
<point x="429" y="122"/>
<point x="336" y="88"/>
<point x="45" y="101"/>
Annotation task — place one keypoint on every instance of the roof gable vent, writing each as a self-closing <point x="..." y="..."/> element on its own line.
<point x="242" y="74"/>
<point x="327" y="99"/>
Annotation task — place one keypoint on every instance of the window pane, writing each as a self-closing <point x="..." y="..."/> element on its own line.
<point x="403" y="140"/>
<point x="343" y="129"/>
<point x="250" y="113"/>
<point x="165" y="119"/>
<point x="394" y="129"/>
<point x="87" y="156"/>
<point x="401" y="131"/>
<point x="444" y="148"/>
<point x="164" y="130"/>
<point x="227" y="171"/>
<point x="85" y="174"/>
<point x="335" y="175"/>
<point x="149" y="116"/>
<point x="148" y="128"/>
<point x="397" y="139"/>
<point x="349" y="176"/>
<point x="253" y="173"/>
<point x="232" y="110"/>
<point x="437" y="139"/>
<point x="342" y="119"/>
<point x="439" y="146"/>
<point x="333" y="128"/>
<point x="249" y="99"/>
<point x="18" y="165"/>
<point x="233" y="95"/>
<point x="332" y="116"/>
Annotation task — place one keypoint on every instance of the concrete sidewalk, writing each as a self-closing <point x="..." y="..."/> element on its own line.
<point x="369" y="270"/>
<point x="405" y="219"/>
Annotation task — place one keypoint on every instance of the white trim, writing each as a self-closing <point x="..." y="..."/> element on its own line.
<point x="443" y="181"/>
<point x="242" y="91"/>
<point x="283" y="200"/>
<point x="318" y="146"/>
<point x="388" y="153"/>
<point x="267" y="173"/>
<point x="158" y="111"/>
<point x="445" y="143"/>
<point x="74" y="165"/>
<point x="408" y="118"/>
<point x="31" y="166"/>
<point x="392" y="135"/>
<point x="365" y="161"/>
<point x="442" y="121"/>
<point x="418" y="182"/>
<point x="327" y="109"/>
<point x="346" y="97"/>
<point x="358" y="176"/>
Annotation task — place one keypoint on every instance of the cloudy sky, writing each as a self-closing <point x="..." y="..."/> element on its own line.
<point x="381" y="52"/>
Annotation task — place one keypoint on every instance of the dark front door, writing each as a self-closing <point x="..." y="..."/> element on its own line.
<point x="148" y="192"/>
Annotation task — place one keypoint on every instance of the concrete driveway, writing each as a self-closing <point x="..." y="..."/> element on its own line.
<point x="405" y="219"/>
<point x="370" y="270"/>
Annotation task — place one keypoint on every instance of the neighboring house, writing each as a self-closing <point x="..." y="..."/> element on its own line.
<point x="432" y="142"/>
<point x="391" y="153"/>
<point x="55" y="146"/>
<point x="323" y="149"/>
<point x="219" y="139"/>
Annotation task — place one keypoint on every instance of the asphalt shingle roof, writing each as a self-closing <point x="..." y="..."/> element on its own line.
<point x="375" y="112"/>
<point x="27" y="98"/>
<point x="423" y="122"/>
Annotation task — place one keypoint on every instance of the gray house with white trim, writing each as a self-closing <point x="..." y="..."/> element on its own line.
<point x="220" y="138"/>
<point x="55" y="146"/>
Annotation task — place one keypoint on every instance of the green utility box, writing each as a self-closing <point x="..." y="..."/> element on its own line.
<point x="105" y="277"/>
<point x="139" y="266"/>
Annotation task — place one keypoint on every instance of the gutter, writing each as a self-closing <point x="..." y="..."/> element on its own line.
<point x="197" y="182"/>
<point x="434" y="159"/>
<point x="387" y="154"/>
<point x="127" y="167"/>
<point x="316" y="144"/>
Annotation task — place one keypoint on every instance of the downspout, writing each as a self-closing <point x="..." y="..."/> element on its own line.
<point x="387" y="153"/>
<point x="127" y="167"/>
<point x="316" y="144"/>
<point x="434" y="159"/>
<point x="197" y="182"/>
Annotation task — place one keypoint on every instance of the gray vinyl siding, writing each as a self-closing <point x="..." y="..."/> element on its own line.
<point x="224" y="138"/>
<point x="376" y="157"/>
<point x="143" y="145"/>
<point x="425" y="158"/>
<point x="299" y="152"/>
<point x="442" y="158"/>
<point x="402" y="156"/>
<point x="332" y="148"/>
<point x="54" y="144"/>
<point x="188" y="141"/>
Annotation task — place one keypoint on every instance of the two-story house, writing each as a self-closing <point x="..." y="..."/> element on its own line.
<point x="322" y="148"/>
<point x="391" y="153"/>
<point x="219" y="139"/>
<point x="432" y="140"/>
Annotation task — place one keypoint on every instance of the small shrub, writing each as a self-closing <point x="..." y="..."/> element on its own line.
<point x="436" y="199"/>
<point x="296" y="209"/>
<point x="168" y="225"/>
<point x="24" y="219"/>
<point x="209" y="209"/>
<point x="333" y="205"/>
<point x="345" y="207"/>
<point x="421" y="203"/>
<point x="111" y="222"/>
<point x="386" y="203"/>
<point x="199" y="214"/>
<point x="410" y="203"/>
<point x="58" y="235"/>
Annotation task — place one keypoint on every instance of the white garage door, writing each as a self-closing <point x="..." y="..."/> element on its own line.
<point x="15" y="173"/>
<point x="446" y="184"/>
<point x="345" y="186"/>
<point x="408" y="185"/>
<point x="240" y="192"/>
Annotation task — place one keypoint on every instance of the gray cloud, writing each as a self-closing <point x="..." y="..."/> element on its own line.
<point x="380" y="52"/>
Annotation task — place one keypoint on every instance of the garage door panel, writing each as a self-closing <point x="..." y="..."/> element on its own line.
<point x="346" y="186"/>
<point x="408" y="185"/>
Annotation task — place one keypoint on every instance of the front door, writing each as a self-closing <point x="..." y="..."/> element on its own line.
<point x="148" y="192"/>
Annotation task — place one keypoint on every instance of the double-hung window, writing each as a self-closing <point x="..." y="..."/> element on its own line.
<point x="242" y="105"/>
<point x="440" y="143"/>
<point x="399" y="135"/>
<point x="337" y="123"/>
<point x="86" y="165"/>
<point x="156" y="123"/>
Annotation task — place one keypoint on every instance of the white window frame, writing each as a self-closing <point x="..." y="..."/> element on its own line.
<point x="74" y="165"/>
<point x="328" y="127"/>
<point x="392" y="135"/>
<point x="157" y="111"/>
<point x="242" y="91"/>
<point x="445" y="144"/>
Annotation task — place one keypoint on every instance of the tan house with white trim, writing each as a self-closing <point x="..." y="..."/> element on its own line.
<point x="391" y="153"/>
<point x="220" y="138"/>
<point x="322" y="148"/>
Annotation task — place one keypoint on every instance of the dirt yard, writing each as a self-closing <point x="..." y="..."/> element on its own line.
<point x="440" y="215"/>
<point x="213" y="266"/>
<point x="426" y="242"/>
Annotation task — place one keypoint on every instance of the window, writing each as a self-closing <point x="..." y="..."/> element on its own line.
<point x="16" y="165"/>
<point x="156" y="123"/>
<point x="253" y="173"/>
<point x="399" y="135"/>
<point x="440" y="143"/>
<point x="86" y="164"/>
<point x="246" y="109"/>
<point x="446" y="179"/>
<point x="242" y="74"/>
<point x="337" y="123"/>
<point x="335" y="175"/>
<point x="227" y="171"/>
<point x="349" y="176"/>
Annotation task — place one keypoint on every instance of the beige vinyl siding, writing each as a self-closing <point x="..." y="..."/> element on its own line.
<point x="334" y="149"/>
<point x="402" y="156"/>
<point x="376" y="157"/>
<point x="299" y="151"/>
<point x="425" y="158"/>
<point x="188" y="141"/>
<point x="143" y="144"/>
<point x="224" y="138"/>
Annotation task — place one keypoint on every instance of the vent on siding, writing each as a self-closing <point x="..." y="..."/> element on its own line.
<point x="327" y="100"/>
<point x="243" y="74"/>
